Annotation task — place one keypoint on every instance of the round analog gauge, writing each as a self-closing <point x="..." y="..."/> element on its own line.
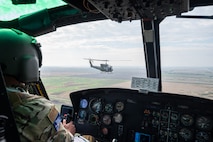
<point x="187" y="120"/>
<point x="108" y="108"/>
<point x="93" y="119"/>
<point x="96" y="105"/>
<point x="164" y="115"/>
<point x="83" y="103"/>
<point x="104" y="131"/>
<point x="174" y="116"/>
<point x="185" y="134"/>
<point x="202" y="136"/>
<point x="118" y="117"/>
<point x="106" y="119"/>
<point x="204" y="123"/>
<point x="119" y="106"/>
<point x="82" y="114"/>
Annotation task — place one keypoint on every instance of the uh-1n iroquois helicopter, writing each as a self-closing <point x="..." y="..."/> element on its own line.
<point x="104" y="67"/>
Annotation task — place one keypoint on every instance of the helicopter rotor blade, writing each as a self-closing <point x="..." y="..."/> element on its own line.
<point x="91" y="59"/>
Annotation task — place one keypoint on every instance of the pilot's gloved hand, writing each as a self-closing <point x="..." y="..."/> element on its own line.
<point x="69" y="126"/>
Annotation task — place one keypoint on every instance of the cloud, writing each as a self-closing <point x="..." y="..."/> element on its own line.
<point x="183" y="42"/>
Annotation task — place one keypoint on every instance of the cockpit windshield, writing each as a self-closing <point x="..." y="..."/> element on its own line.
<point x="186" y="56"/>
<point x="67" y="64"/>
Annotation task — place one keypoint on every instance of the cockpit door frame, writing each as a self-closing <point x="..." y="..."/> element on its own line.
<point x="8" y="129"/>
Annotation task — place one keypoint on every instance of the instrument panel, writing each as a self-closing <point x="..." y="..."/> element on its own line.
<point x="126" y="115"/>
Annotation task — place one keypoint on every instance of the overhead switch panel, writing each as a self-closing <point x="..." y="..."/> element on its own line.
<point x="122" y="10"/>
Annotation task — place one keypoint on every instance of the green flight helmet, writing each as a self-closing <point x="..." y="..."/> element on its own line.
<point x="20" y="55"/>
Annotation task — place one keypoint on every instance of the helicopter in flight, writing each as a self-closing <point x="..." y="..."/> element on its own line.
<point x="104" y="67"/>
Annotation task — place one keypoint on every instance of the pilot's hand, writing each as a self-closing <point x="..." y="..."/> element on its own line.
<point x="69" y="126"/>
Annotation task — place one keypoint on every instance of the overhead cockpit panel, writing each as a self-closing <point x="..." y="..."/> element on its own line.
<point x="122" y="10"/>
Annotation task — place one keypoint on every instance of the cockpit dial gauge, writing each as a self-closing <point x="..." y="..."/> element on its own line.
<point x="187" y="120"/>
<point x="93" y="119"/>
<point x="204" y="123"/>
<point x="83" y="103"/>
<point x="119" y="106"/>
<point x="82" y="114"/>
<point x="106" y="119"/>
<point x="185" y="134"/>
<point x="96" y="105"/>
<point x="164" y="115"/>
<point x="108" y="108"/>
<point x="118" y="117"/>
<point x="202" y="136"/>
<point x="174" y="116"/>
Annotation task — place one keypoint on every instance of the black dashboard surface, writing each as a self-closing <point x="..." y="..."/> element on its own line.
<point x="129" y="116"/>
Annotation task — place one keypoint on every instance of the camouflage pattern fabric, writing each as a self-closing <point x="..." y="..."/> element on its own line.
<point x="35" y="118"/>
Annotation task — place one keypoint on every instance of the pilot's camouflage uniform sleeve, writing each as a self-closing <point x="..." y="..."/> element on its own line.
<point x="37" y="119"/>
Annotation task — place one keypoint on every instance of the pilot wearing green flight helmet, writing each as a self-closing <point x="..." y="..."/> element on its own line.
<point x="36" y="117"/>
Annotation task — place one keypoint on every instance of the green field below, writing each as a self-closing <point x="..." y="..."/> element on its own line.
<point x="59" y="87"/>
<point x="60" y="82"/>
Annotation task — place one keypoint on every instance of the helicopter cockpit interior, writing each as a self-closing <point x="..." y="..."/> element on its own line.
<point x="118" y="114"/>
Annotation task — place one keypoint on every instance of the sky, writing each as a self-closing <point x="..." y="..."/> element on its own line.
<point x="184" y="42"/>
